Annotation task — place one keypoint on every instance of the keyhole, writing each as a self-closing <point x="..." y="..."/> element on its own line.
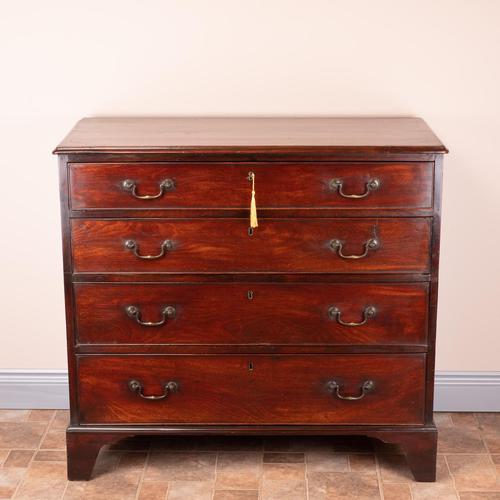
<point x="250" y="367"/>
<point x="250" y="294"/>
<point x="250" y="231"/>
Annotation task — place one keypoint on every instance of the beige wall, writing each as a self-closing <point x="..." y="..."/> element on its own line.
<point x="61" y="60"/>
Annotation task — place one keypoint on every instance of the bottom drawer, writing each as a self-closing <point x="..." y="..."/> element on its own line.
<point x="252" y="389"/>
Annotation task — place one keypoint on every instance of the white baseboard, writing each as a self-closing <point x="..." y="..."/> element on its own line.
<point x="467" y="391"/>
<point x="36" y="389"/>
<point x="454" y="391"/>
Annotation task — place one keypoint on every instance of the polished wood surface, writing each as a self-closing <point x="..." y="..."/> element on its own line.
<point x="418" y="443"/>
<point x="334" y="134"/>
<point x="277" y="245"/>
<point x="252" y="389"/>
<point x="256" y="365"/>
<point x="257" y="313"/>
<point x="225" y="185"/>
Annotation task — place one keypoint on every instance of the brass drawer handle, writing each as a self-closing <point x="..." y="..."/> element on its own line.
<point x="334" y="388"/>
<point x="131" y="186"/>
<point x="165" y="247"/>
<point x="168" y="388"/>
<point x="371" y="244"/>
<point x="368" y="313"/>
<point x="371" y="185"/>
<point x="168" y="312"/>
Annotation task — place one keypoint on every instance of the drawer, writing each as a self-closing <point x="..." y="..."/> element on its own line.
<point x="226" y="185"/>
<point x="253" y="313"/>
<point x="277" y="245"/>
<point x="252" y="389"/>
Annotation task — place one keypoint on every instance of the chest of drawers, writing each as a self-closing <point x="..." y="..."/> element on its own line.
<point x="182" y="319"/>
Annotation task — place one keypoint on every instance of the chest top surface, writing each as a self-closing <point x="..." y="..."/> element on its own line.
<point x="157" y="134"/>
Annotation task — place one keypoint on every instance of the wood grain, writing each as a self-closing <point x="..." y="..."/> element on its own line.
<point x="252" y="389"/>
<point x="277" y="245"/>
<point x="214" y="263"/>
<point x="275" y="314"/>
<point x="129" y="135"/>
<point x="226" y="186"/>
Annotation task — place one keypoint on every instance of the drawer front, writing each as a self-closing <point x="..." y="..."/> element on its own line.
<point x="252" y="389"/>
<point x="277" y="245"/>
<point x="174" y="185"/>
<point x="254" y="313"/>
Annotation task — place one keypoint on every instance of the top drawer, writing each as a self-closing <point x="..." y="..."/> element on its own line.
<point x="340" y="185"/>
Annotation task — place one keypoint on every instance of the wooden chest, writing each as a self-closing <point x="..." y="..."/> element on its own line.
<point x="183" y="319"/>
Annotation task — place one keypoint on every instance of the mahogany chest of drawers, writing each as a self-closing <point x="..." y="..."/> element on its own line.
<point x="186" y="317"/>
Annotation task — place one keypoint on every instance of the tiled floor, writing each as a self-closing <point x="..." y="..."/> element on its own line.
<point x="32" y="465"/>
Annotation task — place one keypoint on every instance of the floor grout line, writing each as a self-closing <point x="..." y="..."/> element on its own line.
<point x="451" y="476"/>
<point x="215" y="473"/>
<point x="379" y="477"/>
<point x="261" y="476"/>
<point x="306" y="476"/>
<point x="45" y="432"/>
<point x="413" y="491"/>
<point x="65" y="489"/>
<point x="143" y="473"/>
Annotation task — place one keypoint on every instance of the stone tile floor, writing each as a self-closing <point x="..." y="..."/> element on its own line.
<point x="32" y="465"/>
